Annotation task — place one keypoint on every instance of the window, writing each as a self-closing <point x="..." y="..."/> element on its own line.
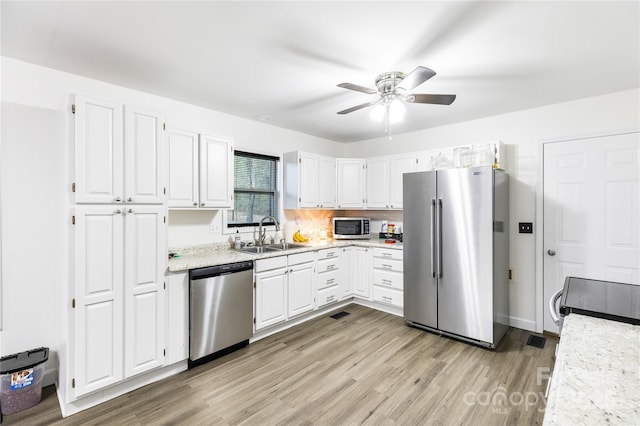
<point x="255" y="193"/>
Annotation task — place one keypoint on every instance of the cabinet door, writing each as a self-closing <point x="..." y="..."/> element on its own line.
<point x="397" y="167"/>
<point x="300" y="289"/>
<point x="216" y="172"/>
<point x="144" y="162"/>
<point x="98" y="293"/>
<point x="98" y="151"/>
<point x="348" y="271"/>
<point x="145" y="262"/>
<point x="326" y="182"/>
<point x="351" y="188"/>
<point x="271" y="298"/>
<point x="362" y="266"/>
<point x="377" y="183"/>
<point x="183" y="168"/>
<point x="308" y="183"/>
<point x="177" y="318"/>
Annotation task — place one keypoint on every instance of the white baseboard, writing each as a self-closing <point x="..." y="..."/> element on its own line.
<point x="522" y="323"/>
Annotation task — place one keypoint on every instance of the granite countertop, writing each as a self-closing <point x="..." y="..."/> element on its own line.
<point x="596" y="378"/>
<point x="203" y="255"/>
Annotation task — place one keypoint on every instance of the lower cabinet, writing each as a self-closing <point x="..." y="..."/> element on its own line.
<point x="387" y="280"/>
<point x="177" y="322"/>
<point x="329" y="289"/>
<point x="300" y="283"/>
<point x="361" y="272"/>
<point x="118" y="303"/>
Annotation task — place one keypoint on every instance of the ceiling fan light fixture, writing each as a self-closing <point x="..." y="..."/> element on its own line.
<point x="396" y="111"/>
<point x="377" y="112"/>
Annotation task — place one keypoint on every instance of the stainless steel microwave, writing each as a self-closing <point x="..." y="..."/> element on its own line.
<point x="351" y="228"/>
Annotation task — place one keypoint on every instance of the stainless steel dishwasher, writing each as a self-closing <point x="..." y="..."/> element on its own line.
<point x="220" y="310"/>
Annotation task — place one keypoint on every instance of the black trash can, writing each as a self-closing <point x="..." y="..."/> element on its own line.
<point x="21" y="380"/>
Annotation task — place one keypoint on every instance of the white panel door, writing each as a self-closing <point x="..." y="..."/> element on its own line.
<point x="216" y="172"/>
<point x="301" y="289"/>
<point x="271" y="298"/>
<point x="308" y="180"/>
<point x="326" y="182"/>
<point x="145" y="262"/>
<point x="362" y="267"/>
<point x="351" y="183"/>
<point x="98" y="151"/>
<point x="177" y="318"/>
<point x="183" y="169"/>
<point x="98" y="293"/>
<point x="398" y="166"/>
<point x="377" y="183"/>
<point x="144" y="160"/>
<point x="591" y="213"/>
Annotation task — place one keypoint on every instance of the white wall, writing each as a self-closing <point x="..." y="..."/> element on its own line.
<point x="523" y="133"/>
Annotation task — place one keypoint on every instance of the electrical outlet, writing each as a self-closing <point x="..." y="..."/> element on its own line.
<point x="214" y="227"/>
<point x="525" y="227"/>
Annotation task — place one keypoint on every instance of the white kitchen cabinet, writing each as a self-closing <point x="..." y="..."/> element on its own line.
<point x="361" y="272"/>
<point x="183" y="191"/>
<point x="351" y="183"/>
<point x="309" y="180"/>
<point x="346" y="279"/>
<point x="399" y="165"/>
<point x="271" y="291"/>
<point x="328" y="285"/>
<point x="377" y="172"/>
<point x="177" y="318"/>
<point x="216" y="172"/>
<point x="116" y="163"/>
<point x="118" y="316"/>
<point x="300" y="283"/>
<point x="200" y="170"/>
<point x="387" y="280"/>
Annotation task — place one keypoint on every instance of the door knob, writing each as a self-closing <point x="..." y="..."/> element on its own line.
<point x="551" y="252"/>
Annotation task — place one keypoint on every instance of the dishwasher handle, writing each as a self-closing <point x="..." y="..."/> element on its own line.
<point x="214" y="271"/>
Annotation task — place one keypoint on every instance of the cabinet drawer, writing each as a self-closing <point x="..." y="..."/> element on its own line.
<point x="270" y="263"/>
<point x="326" y="296"/>
<point x="328" y="253"/>
<point x="389" y="296"/>
<point x="328" y="265"/>
<point x="387" y="264"/>
<point x="298" y="258"/>
<point x="385" y="253"/>
<point x="388" y="279"/>
<point x="328" y="279"/>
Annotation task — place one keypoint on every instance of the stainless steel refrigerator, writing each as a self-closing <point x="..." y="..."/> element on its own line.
<point x="456" y="253"/>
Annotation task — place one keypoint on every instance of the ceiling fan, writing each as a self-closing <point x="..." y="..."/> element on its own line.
<point x="393" y="85"/>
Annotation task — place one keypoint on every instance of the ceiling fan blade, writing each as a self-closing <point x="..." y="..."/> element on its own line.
<point x="357" y="88"/>
<point x="355" y="108"/>
<point x="416" y="78"/>
<point x="422" y="98"/>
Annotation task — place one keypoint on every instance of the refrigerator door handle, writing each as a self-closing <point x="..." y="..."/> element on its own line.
<point x="433" y="238"/>
<point x="439" y="241"/>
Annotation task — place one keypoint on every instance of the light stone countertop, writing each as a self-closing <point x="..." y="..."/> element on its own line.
<point x="596" y="378"/>
<point x="203" y="255"/>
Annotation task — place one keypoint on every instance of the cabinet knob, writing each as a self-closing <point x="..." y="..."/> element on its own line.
<point x="195" y="204"/>
<point x="129" y="199"/>
<point x="118" y="212"/>
<point x="201" y="204"/>
<point x="117" y="199"/>
<point x="130" y="211"/>
<point x="551" y="252"/>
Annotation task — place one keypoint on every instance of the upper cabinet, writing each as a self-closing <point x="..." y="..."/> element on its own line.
<point x="384" y="180"/>
<point x="200" y="170"/>
<point x="351" y="183"/>
<point x="309" y="180"/>
<point x="398" y="166"/>
<point x="118" y="153"/>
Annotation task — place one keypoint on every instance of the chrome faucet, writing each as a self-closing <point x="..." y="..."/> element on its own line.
<point x="262" y="234"/>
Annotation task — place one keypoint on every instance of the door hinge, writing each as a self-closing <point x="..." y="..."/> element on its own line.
<point x="73" y="220"/>
<point x="73" y="187"/>
<point x="73" y="383"/>
<point x="299" y="160"/>
<point x="416" y="161"/>
<point x="164" y="219"/>
<point x="299" y="199"/>
<point x="73" y="108"/>
<point x="164" y="352"/>
<point x="164" y="190"/>
<point x="254" y="320"/>
<point x="73" y="303"/>
<point x="164" y="126"/>
<point x="164" y="285"/>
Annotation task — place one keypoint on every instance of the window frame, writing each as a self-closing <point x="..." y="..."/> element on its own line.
<point x="247" y="228"/>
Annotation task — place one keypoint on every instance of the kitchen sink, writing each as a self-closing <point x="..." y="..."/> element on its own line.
<point x="270" y="248"/>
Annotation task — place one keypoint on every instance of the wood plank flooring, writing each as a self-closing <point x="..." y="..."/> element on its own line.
<point x="365" y="368"/>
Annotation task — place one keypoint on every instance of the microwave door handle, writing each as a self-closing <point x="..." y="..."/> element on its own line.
<point x="433" y="239"/>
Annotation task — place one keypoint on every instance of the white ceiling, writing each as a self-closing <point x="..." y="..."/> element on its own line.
<point x="284" y="59"/>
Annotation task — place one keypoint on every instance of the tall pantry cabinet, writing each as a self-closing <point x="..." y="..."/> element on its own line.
<point x="119" y="245"/>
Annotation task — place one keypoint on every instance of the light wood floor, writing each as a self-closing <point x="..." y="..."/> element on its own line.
<point x="365" y="368"/>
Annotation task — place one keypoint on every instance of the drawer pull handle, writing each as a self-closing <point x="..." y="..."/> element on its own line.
<point x="385" y="281"/>
<point x="330" y="298"/>
<point x="387" y="299"/>
<point x="330" y="280"/>
<point x="387" y="254"/>
<point x="387" y="266"/>
<point x="331" y="266"/>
